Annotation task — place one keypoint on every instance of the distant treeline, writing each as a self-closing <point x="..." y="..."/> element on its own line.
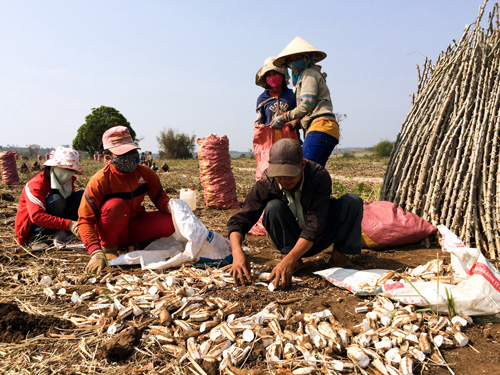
<point x="30" y="151"/>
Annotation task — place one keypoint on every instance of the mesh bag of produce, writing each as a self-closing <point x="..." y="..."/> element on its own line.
<point x="387" y="225"/>
<point x="217" y="179"/>
<point x="9" y="168"/>
<point x="263" y="138"/>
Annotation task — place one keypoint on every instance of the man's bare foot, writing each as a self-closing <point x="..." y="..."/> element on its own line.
<point x="340" y="260"/>
<point x="337" y="259"/>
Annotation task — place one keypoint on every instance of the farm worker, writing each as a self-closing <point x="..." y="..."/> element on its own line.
<point x="165" y="167"/>
<point x="49" y="201"/>
<point x="276" y="99"/>
<point x="24" y="168"/>
<point x="314" y="108"/>
<point x="111" y="214"/>
<point x="300" y="217"/>
<point x="35" y="166"/>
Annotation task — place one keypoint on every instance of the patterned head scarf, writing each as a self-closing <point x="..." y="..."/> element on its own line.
<point x="297" y="67"/>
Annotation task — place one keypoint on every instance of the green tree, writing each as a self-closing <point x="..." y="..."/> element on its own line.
<point x="383" y="148"/>
<point x="32" y="150"/>
<point x="175" y="145"/>
<point x="89" y="135"/>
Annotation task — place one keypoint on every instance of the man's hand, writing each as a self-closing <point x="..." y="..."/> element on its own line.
<point x="278" y="122"/>
<point x="73" y="227"/>
<point x="282" y="272"/>
<point x="97" y="262"/>
<point x="240" y="271"/>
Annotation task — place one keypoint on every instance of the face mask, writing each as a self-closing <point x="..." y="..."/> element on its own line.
<point x="298" y="65"/>
<point x="60" y="179"/>
<point x="275" y="81"/>
<point x="125" y="163"/>
<point x="63" y="175"/>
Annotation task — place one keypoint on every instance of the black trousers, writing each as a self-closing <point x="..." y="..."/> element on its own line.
<point x="57" y="205"/>
<point x="343" y="226"/>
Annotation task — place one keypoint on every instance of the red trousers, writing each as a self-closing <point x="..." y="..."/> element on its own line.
<point x="116" y="229"/>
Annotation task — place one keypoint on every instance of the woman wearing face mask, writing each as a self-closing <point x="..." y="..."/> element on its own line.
<point x="111" y="214"/>
<point x="49" y="201"/>
<point x="276" y="99"/>
<point x="314" y="109"/>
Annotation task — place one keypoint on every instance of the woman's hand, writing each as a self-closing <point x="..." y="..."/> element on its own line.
<point x="294" y="124"/>
<point x="278" y="122"/>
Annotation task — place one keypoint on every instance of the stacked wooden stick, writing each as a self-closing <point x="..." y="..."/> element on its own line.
<point x="445" y="163"/>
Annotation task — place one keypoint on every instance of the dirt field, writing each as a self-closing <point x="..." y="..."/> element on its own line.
<point x="37" y="336"/>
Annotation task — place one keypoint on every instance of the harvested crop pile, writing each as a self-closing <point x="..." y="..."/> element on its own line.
<point x="445" y="164"/>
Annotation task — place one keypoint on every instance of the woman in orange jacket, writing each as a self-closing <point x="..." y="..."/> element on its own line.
<point x="111" y="214"/>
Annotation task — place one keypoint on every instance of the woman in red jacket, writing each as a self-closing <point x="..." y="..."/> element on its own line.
<point x="111" y="214"/>
<point x="49" y="201"/>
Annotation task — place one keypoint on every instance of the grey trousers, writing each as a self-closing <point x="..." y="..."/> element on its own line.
<point x="343" y="226"/>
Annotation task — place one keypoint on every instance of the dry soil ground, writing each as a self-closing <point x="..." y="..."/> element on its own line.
<point x="36" y="336"/>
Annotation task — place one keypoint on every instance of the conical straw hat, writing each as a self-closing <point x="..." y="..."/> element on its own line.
<point x="260" y="77"/>
<point x="297" y="46"/>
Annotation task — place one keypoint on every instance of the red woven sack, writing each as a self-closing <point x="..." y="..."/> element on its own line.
<point x="9" y="168"/>
<point x="263" y="138"/>
<point x="387" y="225"/>
<point x="217" y="179"/>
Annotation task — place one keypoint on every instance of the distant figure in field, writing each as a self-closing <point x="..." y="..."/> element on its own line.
<point x="24" y="168"/>
<point x="154" y="167"/>
<point x="35" y="166"/>
<point x="49" y="201"/>
<point x="165" y="167"/>
<point x="314" y="105"/>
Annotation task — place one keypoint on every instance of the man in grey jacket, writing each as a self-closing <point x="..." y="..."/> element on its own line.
<point x="300" y="216"/>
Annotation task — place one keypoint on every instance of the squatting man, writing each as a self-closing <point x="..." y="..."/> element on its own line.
<point x="300" y="216"/>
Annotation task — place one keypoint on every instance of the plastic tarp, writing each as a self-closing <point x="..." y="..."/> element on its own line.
<point x="476" y="290"/>
<point x="192" y="242"/>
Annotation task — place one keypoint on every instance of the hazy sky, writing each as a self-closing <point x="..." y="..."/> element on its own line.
<point x="190" y="65"/>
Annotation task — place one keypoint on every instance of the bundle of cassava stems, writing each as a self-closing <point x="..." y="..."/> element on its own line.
<point x="445" y="163"/>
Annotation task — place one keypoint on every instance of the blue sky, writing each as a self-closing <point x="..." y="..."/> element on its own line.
<point x="190" y="65"/>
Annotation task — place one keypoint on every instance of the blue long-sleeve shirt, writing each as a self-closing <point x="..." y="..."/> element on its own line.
<point x="286" y="101"/>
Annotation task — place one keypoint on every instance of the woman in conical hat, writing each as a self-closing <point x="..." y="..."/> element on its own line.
<point x="276" y="99"/>
<point x="314" y="108"/>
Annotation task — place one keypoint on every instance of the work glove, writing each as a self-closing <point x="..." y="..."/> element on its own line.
<point x="278" y="122"/>
<point x="73" y="227"/>
<point x="97" y="262"/>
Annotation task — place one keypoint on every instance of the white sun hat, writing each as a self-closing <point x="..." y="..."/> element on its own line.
<point x="65" y="157"/>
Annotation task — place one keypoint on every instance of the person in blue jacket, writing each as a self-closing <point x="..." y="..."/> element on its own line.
<point x="276" y="99"/>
